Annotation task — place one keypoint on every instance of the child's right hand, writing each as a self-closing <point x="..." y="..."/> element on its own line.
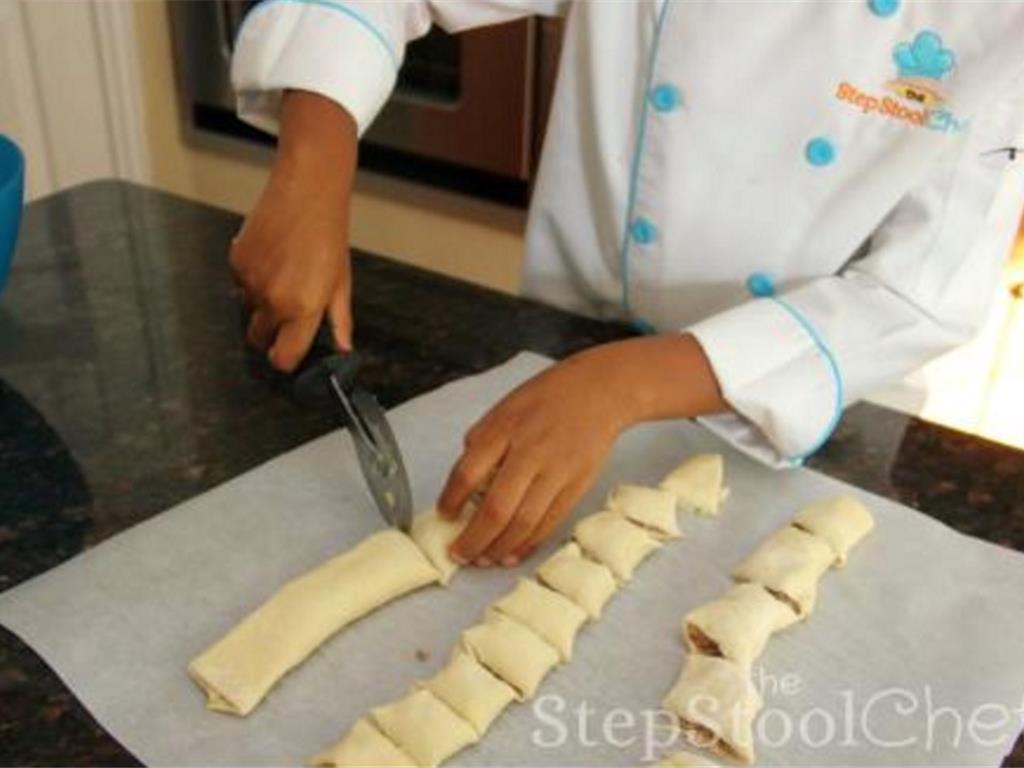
<point x="291" y="256"/>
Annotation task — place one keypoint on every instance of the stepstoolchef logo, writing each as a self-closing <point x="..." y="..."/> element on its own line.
<point x="916" y="95"/>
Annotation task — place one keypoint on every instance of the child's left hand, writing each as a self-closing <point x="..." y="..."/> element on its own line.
<point x="544" y="444"/>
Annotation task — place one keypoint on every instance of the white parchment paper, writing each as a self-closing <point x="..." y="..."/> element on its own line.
<point x="914" y="655"/>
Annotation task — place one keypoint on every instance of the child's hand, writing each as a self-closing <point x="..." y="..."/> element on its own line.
<point x="291" y="256"/>
<point x="545" y="442"/>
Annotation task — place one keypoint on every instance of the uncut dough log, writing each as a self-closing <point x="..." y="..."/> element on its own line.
<point x="716" y="704"/>
<point x="841" y="522"/>
<point x="424" y="727"/>
<point x="789" y="564"/>
<point x="550" y="615"/>
<point x="697" y="483"/>
<point x="363" y="745"/>
<point x="511" y="651"/>
<point x="587" y="583"/>
<point x="737" y="625"/>
<point x="611" y="539"/>
<point x="651" y="508"/>
<point x="470" y="689"/>
<point x="240" y="668"/>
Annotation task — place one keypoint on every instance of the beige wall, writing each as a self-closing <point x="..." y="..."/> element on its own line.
<point x="438" y="230"/>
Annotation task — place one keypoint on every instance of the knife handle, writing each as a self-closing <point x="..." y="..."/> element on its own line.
<point x="310" y="383"/>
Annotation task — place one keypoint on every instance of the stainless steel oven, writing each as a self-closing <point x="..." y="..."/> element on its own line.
<point x="468" y="112"/>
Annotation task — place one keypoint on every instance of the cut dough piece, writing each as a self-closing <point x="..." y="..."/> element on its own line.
<point x="697" y="483"/>
<point x="587" y="583"/>
<point x="433" y="534"/>
<point x="363" y="745"/>
<point x="614" y="541"/>
<point x="738" y="625"/>
<point x="842" y="522"/>
<point x="239" y="669"/>
<point x="716" y="704"/>
<point x="424" y="727"/>
<point x="469" y="689"/>
<point x="552" y="616"/>
<point x="511" y="651"/>
<point x="788" y="564"/>
<point x="686" y="760"/>
<point x="651" y="508"/>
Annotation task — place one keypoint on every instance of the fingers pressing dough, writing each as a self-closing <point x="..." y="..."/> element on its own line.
<point x="524" y="634"/>
<point x="433" y="534"/>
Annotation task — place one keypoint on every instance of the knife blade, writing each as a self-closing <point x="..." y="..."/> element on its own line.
<point x="327" y="378"/>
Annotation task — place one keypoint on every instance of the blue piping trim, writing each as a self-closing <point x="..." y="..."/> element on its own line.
<point x="343" y="9"/>
<point x="837" y="377"/>
<point x="638" y="152"/>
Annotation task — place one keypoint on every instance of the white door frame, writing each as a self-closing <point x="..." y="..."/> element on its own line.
<point x="70" y="92"/>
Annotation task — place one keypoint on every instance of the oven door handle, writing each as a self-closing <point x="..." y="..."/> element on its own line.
<point x="224" y="32"/>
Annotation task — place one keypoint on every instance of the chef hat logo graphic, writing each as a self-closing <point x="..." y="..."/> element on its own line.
<point x="925" y="57"/>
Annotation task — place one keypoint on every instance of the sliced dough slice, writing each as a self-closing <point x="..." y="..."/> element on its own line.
<point x="738" y="625"/>
<point x="424" y="727"/>
<point x="587" y="583"/>
<point x="614" y="541"/>
<point x="514" y="653"/>
<point x="651" y="508"/>
<point x="472" y="691"/>
<point x="554" y="617"/>
<point x="240" y="668"/>
<point x="433" y="534"/>
<point x="788" y="564"/>
<point x="686" y="759"/>
<point x="716" y="704"/>
<point x="363" y="745"/>
<point x="697" y="483"/>
<point x="842" y="522"/>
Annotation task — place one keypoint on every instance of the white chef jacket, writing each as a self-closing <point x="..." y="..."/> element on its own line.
<point x="822" y="193"/>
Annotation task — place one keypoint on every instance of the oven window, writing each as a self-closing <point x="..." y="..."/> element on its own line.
<point x="431" y="68"/>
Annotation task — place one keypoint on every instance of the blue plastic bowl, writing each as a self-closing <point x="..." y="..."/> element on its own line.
<point x="12" y="189"/>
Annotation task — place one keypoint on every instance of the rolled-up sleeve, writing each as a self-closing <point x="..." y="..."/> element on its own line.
<point x="788" y="364"/>
<point x="346" y="50"/>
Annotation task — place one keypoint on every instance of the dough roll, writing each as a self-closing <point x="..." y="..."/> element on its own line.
<point x="716" y="704"/>
<point x="651" y="508"/>
<point x="551" y="615"/>
<point x="239" y="669"/>
<point x="697" y="484"/>
<point x="789" y="564"/>
<point x="424" y="727"/>
<point x="586" y="582"/>
<point x="737" y="625"/>
<point x="363" y="745"/>
<point x="611" y="539"/>
<point x="840" y="522"/>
